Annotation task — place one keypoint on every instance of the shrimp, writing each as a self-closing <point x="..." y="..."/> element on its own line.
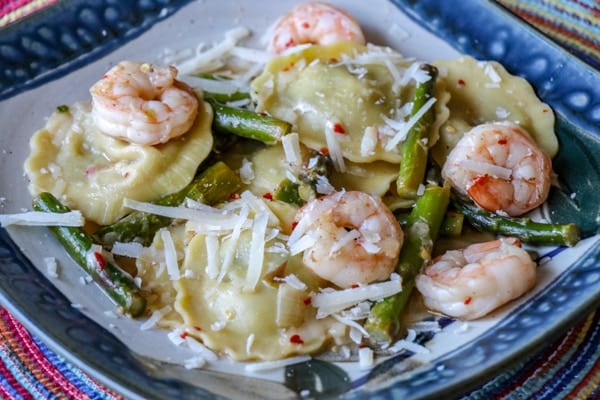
<point x="471" y="282"/>
<point x="143" y="103"/>
<point x="316" y="23"/>
<point x="356" y="238"/>
<point x="501" y="168"/>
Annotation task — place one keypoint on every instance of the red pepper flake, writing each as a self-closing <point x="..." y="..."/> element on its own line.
<point x="308" y="300"/>
<point x="294" y="224"/>
<point x="290" y="43"/>
<point x="100" y="260"/>
<point x="355" y="285"/>
<point x="197" y="328"/>
<point x="468" y="300"/>
<point x="296" y="339"/>
<point x="268" y="196"/>
<point x="305" y="25"/>
<point x="234" y="196"/>
<point x="324" y="151"/>
<point x="461" y="83"/>
<point x="338" y="128"/>
<point x="502" y="141"/>
<point x="183" y="335"/>
<point x="126" y="175"/>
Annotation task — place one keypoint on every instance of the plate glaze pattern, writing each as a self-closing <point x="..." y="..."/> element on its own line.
<point x="570" y="87"/>
<point x="70" y="34"/>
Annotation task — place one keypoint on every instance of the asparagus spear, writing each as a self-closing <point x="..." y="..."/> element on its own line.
<point x="248" y="124"/>
<point x="226" y="97"/>
<point x="524" y="229"/>
<point x="452" y="225"/>
<point x="288" y="192"/>
<point x="414" y="151"/>
<point x="424" y="221"/>
<point x="115" y="282"/>
<point x="300" y="192"/>
<point x="214" y="185"/>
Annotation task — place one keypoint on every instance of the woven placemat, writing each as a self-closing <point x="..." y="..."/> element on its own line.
<point x="569" y="368"/>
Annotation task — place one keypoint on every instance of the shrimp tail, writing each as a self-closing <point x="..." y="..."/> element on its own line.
<point x="490" y="192"/>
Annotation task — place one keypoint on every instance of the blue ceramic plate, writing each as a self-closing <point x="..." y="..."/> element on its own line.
<point x="54" y="56"/>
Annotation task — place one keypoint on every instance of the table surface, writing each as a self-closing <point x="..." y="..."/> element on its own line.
<point x="30" y="370"/>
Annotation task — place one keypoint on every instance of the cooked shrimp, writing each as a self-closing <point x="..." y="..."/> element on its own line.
<point x="356" y="238"/>
<point x="143" y="103"/>
<point x="472" y="282"/>
<point x="316" y="23"/>
<point x="501" y="168"/>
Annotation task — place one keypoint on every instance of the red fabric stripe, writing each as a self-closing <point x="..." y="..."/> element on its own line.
<point x="9" y="6"/>
<point x="539" y="21"/>
<point x="543" y="362"/>
<point x="6" y="373"/>
<point x="53" y="378"/>
<point x="594" y="10"/>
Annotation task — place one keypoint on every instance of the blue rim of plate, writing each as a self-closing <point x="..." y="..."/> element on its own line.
<point x="40" y="48"/>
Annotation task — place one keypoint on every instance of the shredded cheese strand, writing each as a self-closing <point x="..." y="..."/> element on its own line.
<point x="41" y="218"/>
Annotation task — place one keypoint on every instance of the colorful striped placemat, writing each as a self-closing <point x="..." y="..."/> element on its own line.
<point x="569" y="368"/>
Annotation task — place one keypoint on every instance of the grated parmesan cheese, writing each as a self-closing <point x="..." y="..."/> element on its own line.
<point x="291" y="149"/>
<point x="176" y="336"/>
<point x="250" y="342"/>
<point x="246" y="171"/>
<point x="212" y="255"/>
<point x="235" y="235"/>
<point x="170" y="255"/>
<point x="194" y="362"/>
<point x="130" y="249"/>
<point x="51" y="266"/>
<point x="401" y="133"/>
<point x="41" y="218"/>
<point x="257" y="251"/>
<point x="155" y="317"/>
<point x="212" y="57"/>
<point x="368" y="142"/>
<point x="201" y="349"/>
<point x="365" y="358"/>
<point x="293" y="281"/>
<point x="335" y="150"/>
<point x="331" y="302"/>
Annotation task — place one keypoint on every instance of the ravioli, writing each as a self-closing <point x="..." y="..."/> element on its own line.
<point x="93" y="172"/>
<point x="266" y="322"/>
<point x="485" y="92"/>
<point x="353" y="92"/>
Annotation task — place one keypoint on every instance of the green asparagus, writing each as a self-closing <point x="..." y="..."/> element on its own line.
<point x="214" y="185"/>
<point x="115" y="282"/>
<point x="414" y="150"/>
<point x="248" y="124"/>
<point x="305" y="189"/>
<point x="453" y="224"/>
<point x="524" y="229"/>
<point x="226" y="97"/>
<point x="423" y="225"/>
<point x="288" y="192"/>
